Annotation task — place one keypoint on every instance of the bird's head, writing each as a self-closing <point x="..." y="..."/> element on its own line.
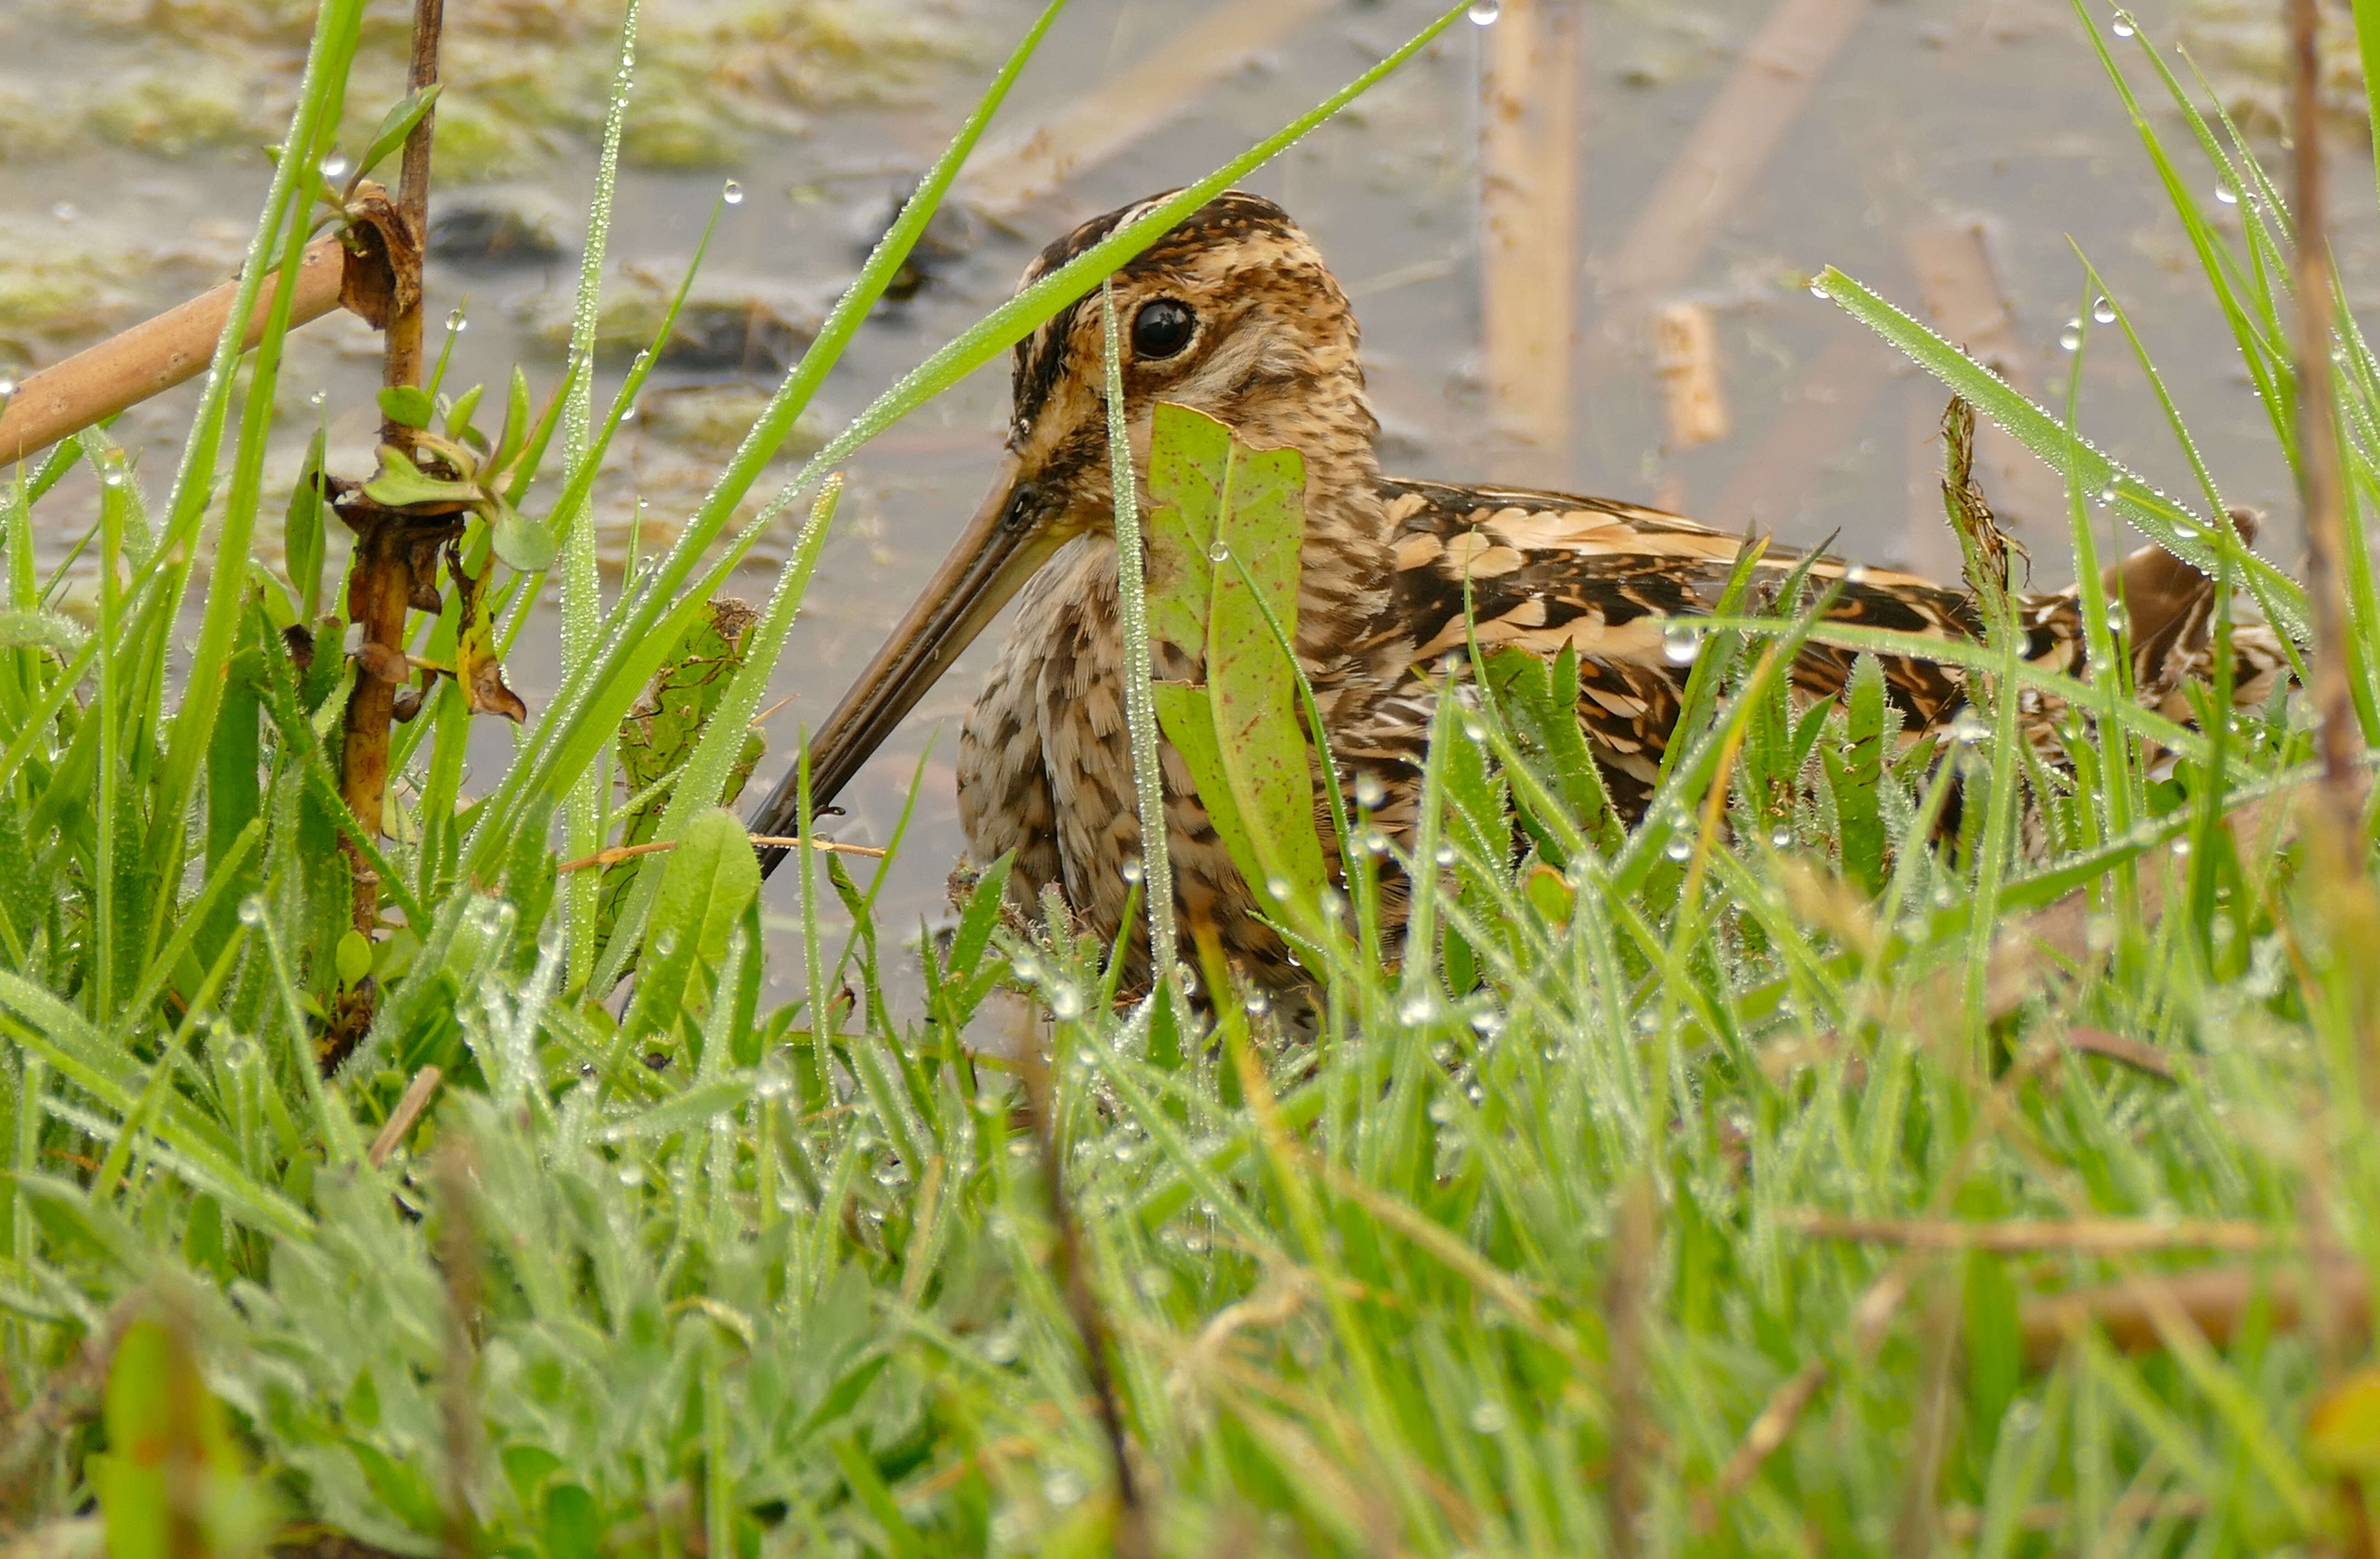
<point x="1231" y="313"/>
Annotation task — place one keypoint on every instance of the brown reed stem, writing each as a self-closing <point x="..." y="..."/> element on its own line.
<point x="2319" y="481"/>
<point x="380" y="585"/>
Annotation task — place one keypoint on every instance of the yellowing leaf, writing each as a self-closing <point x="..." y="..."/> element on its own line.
<point x="2344" y="1431"/>
<point x="477" y="670"/>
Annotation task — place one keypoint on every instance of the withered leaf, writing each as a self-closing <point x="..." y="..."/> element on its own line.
<point x="383" y="270"/>
<point x="477" y="670"/>
<point x="380" y="660"/>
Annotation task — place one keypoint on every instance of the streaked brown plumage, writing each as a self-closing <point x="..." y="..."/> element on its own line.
<point x="1271" y="350"/>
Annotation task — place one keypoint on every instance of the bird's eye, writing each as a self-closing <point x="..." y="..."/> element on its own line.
<point x="1161" y="328"/>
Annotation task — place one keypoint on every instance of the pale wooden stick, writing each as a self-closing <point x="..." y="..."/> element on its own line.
<point x="2026" y="1236"/>
<point x="1015" y="173"/>
<point x="1743" y="128"/>
<point x="155" y="355"/>
<point x="1528" y="250"/>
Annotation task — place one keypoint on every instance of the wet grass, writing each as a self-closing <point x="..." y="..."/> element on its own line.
<point x="1763" y="1178"/>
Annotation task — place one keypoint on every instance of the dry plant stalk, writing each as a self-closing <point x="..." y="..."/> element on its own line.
<point x="1094" y="126"/>
<point x="382" y="582"/>
<point x="1132" y="1537"/>
<point x="1743" y="128"/>
<point x="417" y="1097"/>
<point x="1627" y="1307"/>
<point x="1528" y="215"/>
<point x="1963" y="295"/>
<point x="1685" y="359"/>
<point x="2214" y="1300"/>
<point x="154" y="356"/>
<point x="2096" y="1236"/>
<point x="458" y="1254"/>
<point x="2319" y="483"/>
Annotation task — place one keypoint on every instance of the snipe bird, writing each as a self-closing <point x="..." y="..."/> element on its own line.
<point x="1234" y="313"/>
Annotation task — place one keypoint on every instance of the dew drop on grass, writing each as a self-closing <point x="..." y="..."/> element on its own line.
<point x="2070" y="338"/>
<point x="1855" y="574"/>
<point x="252" y="910"/>
<point x="1419" y="1008"/>
<point x="2104" y="311"/>
<point x="455" y="323"/>
<point x="1681" y="642"/>
<point x="1369" y="791"/>
<point x="1445" y="856"/>
<point x="1066" y="1002"/>
<point x="1278" y="888"/>
<point x="1258" y="1004"/>
<point x="7" y="387"/>
<point x="1132" y="870"/>
<point x="2226" y="194"/>
<point x="2184" y="531"/>
<point x="1818" y="290"/>
<point x="1487" y="1022"/>
<point x="1483" y="13"/>
<point x="2122" y="26"/>
<point x="1679" y="847"/>
<point x="335" y="167"/>
<point x="731" y="192"/>
<point x="2108" y="494"/>
<point x="2118" y="620"/>
<point x="1218" y="552"/>
<point x="1781" y="837"/>
<point x="1488" y="1417"/>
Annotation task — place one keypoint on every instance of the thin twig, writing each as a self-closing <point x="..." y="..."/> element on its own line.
<point x="2215" y="1301"/>
<point x="612" y="855"/>
<point x="416" y="1099"/>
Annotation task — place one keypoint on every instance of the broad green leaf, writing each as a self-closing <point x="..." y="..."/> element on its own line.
<point x="395" y="124"/>
<point x="409" y="404"/>
<point x="400" y="484"/>
<point x="526" y="546"/>
<point x="1225" y="529"/>
<point x="1856" y="771"/>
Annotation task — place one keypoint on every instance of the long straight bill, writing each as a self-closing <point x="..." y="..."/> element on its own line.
<point x="1001" y="548"/>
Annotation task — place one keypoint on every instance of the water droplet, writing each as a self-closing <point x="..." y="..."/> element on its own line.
<point x="66" y="211"/>
<point x="666" y="944"/>
<point x="632" y="1174"/>
<point x="2099" y="932"/>
<point x="1278" y="888"/>
<point x="7" y="387"/>
<point x="1154" y="1283"/>
<point x="1475" y="728"/>
<point x="731" y="192"/>
<point x="239" y="1055"/>
<point x="2070" y="338"/>
<point x="252" y="910"/>
<point x="113" y="476"/>
<point x="1065" y="1487"/>
<point x="1258" y="1004"/>
<point x="1066" y="1002"/>
<point x="318" y="397"/>
<point x="2226" y="194"/>
<point x="1681" y="642"/>
<point x="2118" y="619"/>
<point x="2122" y="26"/>
<point x="1781" y="837"/>
<point x="1968" y="729"/>
<point x="1488" y="1416"/>
<point x="2108" y="494"/>
<point x="1369" y="791"/>
<point x="2181" y="847"/>
<point x="629" y="412"/>
<point x="1132" y="870"/>
<point x="1419" y="1008"/>
<point x="776" y="1078"/>
<point x="1855" y="574"/>
<point x="1483" y="13"/>
<point x="1678" y="848"/>
<point x="1487" y="1022"/>
<point x="2184" y="531"/>
<point x="455" y="323"/>
<point x="336" y="167"/>
<point x="1218" y="552"/>
<point x="1444" y="855"/>
<point x="2104" y="312"/>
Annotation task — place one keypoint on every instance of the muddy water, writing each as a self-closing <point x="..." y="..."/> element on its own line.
<point x="1933" y="113"/>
